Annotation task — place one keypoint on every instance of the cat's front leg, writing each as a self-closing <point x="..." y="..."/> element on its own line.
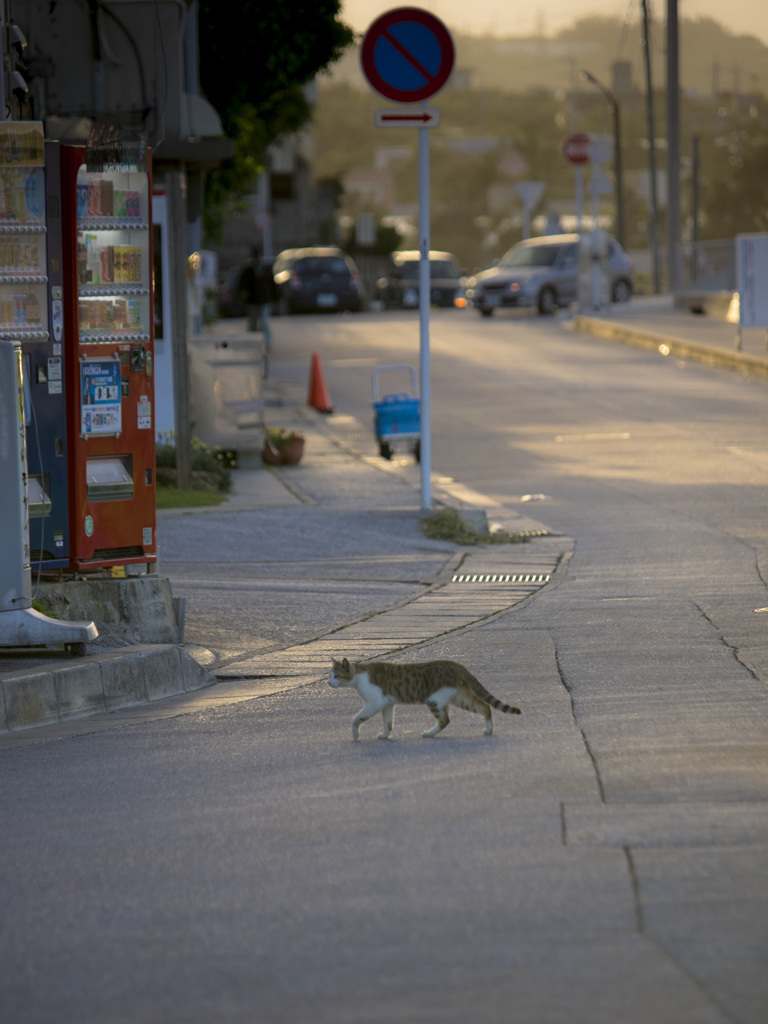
<point x="362" y="716"/>
<point x="388" y="714"/>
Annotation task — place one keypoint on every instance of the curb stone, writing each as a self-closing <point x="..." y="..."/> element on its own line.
<point x="97" y="684"/>
<point x="612" y="331"/>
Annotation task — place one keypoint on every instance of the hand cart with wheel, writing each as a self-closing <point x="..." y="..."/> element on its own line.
<point x="397" y="417"/>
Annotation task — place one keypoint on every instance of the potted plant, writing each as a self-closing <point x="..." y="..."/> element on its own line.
<point x="282" y="447"/>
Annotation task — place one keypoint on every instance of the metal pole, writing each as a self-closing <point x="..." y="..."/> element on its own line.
<point x="4" y="116"/>
<point x="673" y="148"/>
<point x="177" y="218"/>
<point x="596" y="270"/>
<point x="653" y="226"/>
<point x="618" y="172"/>
<point x="424" y="297"/>
<point x="695" y="170"/>
<point x="578" y="170"/>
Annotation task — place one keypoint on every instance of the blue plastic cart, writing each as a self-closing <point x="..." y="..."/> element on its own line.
<point x="397" y="417"/>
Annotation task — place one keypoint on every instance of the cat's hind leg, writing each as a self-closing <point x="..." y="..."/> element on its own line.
<point x="388" y="714"/>
<point x="437" y="704"/>
<point x="468" y="701"/>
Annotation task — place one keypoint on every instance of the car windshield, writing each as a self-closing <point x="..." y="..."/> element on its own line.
<point x="321" y="265"/>
<point x="530" y="256"/>
<point x="437" y="268"/>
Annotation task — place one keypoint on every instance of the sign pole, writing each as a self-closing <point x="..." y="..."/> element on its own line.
<point x="595" y="251"/>
<point x="424" y="297"/>
<point x="576" y="149"/>
<point x="407" y="56"/>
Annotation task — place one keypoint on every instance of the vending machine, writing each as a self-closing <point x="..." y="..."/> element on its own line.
<point x="31" y="312"/>
<point x="108" y="327"/>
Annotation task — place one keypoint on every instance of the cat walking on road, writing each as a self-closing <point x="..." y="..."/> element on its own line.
<point x="434" y="683"/>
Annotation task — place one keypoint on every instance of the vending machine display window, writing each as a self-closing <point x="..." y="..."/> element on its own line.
<point x="23" y="276"/>
<point x="31" y="312"/>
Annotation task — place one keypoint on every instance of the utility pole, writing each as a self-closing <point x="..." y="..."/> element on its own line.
<point x="175" y="183"/>
<point x="653" y="225"/>
<point x="695" y="169"/>
<point x="673" y="149"/>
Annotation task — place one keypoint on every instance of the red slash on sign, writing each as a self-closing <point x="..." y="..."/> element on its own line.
<point x="418" y="119"/>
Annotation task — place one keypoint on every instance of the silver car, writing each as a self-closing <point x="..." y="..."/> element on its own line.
<point x="544" y="273"/>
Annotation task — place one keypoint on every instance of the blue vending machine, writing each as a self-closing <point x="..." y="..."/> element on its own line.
<point x="31" y="311"/>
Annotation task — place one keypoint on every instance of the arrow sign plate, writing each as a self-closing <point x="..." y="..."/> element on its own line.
<point x="393" y="118"/>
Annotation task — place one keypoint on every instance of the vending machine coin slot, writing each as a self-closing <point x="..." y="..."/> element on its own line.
<point x="138" y="359"/>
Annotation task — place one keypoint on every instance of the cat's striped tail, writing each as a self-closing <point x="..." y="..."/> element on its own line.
<point x="480" y="690"/>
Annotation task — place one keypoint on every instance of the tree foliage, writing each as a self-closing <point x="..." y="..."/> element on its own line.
<point x="254" y="60"/>
<point x="735" y="193"/>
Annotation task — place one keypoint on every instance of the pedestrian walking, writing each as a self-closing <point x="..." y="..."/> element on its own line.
<point x="257" y="289"/>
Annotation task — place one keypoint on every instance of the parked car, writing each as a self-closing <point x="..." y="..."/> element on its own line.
<point x="399" y="288"/>
<point x="317" y="278"/>
<point x="544" y="272"/>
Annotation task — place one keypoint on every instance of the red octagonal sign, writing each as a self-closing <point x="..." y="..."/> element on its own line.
<point x="575" y="148"/>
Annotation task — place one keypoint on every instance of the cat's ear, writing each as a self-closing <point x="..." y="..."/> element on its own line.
<point x="345" y="665"/>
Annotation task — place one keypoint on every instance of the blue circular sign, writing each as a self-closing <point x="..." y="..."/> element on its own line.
<point x="407" y="55"/>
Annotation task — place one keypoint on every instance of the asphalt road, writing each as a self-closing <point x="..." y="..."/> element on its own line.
<point x="601" y="858"/>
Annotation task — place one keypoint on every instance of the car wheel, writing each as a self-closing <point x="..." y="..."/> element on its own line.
<point x="622" y="291"/>
<point x="547" y="302"/>
<point x="385" y="450"/>
<point x="484" y="311"/>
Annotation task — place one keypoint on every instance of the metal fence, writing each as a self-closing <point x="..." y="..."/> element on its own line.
<point x="709" y="266"/>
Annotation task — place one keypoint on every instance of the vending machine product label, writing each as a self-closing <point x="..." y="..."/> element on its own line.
<point x="144" y="409"/>
<point x="100" y="409"/>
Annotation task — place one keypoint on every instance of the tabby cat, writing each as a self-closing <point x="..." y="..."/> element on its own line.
<point x="434" y="683"/>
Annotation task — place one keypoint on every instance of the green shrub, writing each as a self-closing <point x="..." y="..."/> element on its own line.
<point x="213" y="462"/>
<point x="447" y="524"/>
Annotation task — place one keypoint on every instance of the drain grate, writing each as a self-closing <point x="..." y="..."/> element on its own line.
<point x="508" y="577"/>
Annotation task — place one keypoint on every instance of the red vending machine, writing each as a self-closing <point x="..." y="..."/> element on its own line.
<point x="107" y="259"/>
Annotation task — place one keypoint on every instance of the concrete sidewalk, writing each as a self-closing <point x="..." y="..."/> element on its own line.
<point x="656" y="323"/>
<point x="121" y="678"/>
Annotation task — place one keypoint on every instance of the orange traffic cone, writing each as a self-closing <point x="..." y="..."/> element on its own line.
<point x="318" y="396"/>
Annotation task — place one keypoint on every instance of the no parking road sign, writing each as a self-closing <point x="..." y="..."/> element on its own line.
<point x="407" y="55"/>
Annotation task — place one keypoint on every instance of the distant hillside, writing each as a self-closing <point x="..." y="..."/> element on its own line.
<point x="711" y="58"/>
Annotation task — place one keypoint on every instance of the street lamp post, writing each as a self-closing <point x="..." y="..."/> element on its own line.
<point x="617" y="164"/>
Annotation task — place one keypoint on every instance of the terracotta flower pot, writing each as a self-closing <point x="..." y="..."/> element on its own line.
<point x="291" y="450"/>
<point x="280" y="451"/>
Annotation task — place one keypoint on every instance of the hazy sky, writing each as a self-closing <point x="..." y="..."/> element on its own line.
<point x="517" y="18"/>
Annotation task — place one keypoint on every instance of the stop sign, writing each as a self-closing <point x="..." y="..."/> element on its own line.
<point x="575" y="148"/>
